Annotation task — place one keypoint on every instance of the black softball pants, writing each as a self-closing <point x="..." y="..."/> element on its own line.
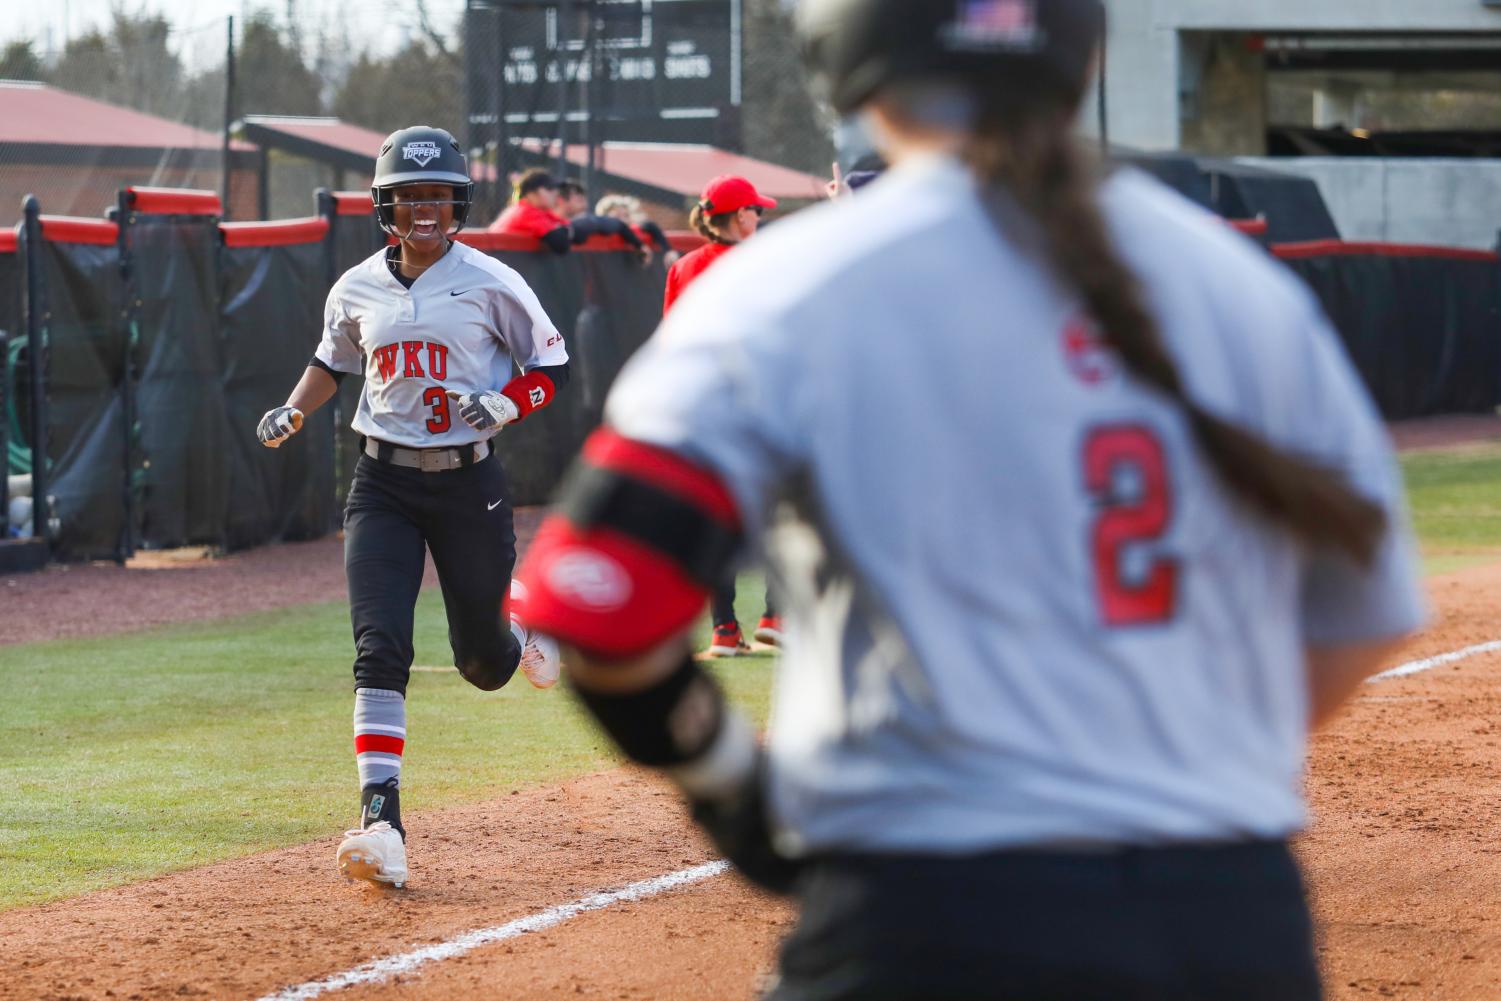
<point x="1211" y="923"/>
<point x="463" y="516"/>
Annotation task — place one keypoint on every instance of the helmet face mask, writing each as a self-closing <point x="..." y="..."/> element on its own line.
<point x="421" y="155"/>
<point x="387" y="211"/>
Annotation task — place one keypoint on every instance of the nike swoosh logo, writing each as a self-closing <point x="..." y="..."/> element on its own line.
<point x="459" y="292"/>
<point x="492" y="507"/>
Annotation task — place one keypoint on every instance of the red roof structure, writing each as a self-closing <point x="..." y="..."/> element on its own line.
<point x="683" y="168"/>
<point x="37" y="113"/>
<point x="75" y="152"/>
<point x="328" y="140"/>
<point x="665" y="172"/>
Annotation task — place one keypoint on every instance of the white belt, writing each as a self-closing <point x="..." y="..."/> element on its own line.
<point x="429" y="460"/>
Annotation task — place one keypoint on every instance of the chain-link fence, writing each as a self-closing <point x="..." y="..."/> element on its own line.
<point x="577" y="82"/>
<point x="142" y="100"/>
<point x="141" y="103"/>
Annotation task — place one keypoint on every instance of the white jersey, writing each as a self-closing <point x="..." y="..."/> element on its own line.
<point x="461" y="326"/>
<point x="1021" y="608"/>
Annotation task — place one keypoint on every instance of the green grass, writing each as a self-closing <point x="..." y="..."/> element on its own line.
<point x="1456" y="505"/>
<point x="130" y="756"/>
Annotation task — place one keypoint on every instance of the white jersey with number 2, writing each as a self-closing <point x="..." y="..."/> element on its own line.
<point x="1022" y="608"/>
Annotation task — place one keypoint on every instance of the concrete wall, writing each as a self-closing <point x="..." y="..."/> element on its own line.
<point x="1145" y="46"/>
<point x="1453" y="203"/>
<point x="1226" y="113"/>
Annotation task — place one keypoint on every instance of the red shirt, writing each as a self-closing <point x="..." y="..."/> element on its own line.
<point x="689" y="267"/>
<point x="525" y="219"/>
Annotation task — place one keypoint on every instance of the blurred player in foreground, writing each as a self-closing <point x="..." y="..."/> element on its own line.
<point x="1084" y="521"/>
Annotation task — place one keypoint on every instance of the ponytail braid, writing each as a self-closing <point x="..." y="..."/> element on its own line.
<point x="709" y="226"/>
<point x="1025" y="147"/>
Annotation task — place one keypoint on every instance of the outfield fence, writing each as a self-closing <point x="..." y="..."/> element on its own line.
<point x="156" y="338"/>
<point x="143" y="348"/>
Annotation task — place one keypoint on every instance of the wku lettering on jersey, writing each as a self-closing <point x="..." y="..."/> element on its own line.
<point x="410" y="354"/>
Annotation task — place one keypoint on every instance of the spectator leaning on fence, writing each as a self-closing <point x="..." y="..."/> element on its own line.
<point x="627" y="208"/>
<point x="533" y="212"/>
<point x="573" y="205"/>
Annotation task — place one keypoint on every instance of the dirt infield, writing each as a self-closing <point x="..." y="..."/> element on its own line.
<point x="1402" y="861"/>
<point x="245" y="928"/>
<point x="1402" y="857"/>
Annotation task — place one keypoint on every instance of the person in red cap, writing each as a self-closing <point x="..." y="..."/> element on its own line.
<point x="534" y="212"/>
<point x="728" y="211"/>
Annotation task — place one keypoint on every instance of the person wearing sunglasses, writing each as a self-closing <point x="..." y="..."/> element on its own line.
<point x="726" y="214"/>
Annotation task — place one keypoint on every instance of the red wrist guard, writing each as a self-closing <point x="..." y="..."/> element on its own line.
<point x="529" y="392"/>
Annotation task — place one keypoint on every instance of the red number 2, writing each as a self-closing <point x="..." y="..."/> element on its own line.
<point x="436" y="398"/>
<point x="1111" y="454"/>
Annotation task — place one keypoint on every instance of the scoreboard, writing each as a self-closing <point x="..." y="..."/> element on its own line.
<point x="634" y="70"/>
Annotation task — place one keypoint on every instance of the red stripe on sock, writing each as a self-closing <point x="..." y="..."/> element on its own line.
<point x="377" y="742"/>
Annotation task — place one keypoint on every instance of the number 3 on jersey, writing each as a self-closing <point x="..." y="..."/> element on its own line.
<point x="437" y="399"/>
<point x="1125" y="472"/>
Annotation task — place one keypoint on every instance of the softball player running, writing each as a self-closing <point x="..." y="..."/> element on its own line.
<point x="1084" y="520"/>
<point x="436" y="328"/>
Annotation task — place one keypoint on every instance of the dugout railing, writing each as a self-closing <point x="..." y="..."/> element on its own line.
<point x="151" y="342"/>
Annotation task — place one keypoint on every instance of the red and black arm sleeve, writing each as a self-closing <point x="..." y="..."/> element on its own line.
<point x="627" y="557"/>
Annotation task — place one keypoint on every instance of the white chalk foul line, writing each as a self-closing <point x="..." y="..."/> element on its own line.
<point x="1429" y="663"/>
<point x="382" y="969"/>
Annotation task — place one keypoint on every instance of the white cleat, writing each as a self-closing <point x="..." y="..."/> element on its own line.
<point x="540" y="661"/>
<point x="376" y="853"/>
<point x="539" y="654"/>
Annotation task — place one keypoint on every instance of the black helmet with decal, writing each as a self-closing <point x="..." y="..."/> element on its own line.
<point x="420" y="155"/>
<point x="857" y="47"/>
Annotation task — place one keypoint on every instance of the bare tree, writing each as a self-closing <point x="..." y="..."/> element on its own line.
<point x="416" y="86"/>
<point x="19" y="61"/>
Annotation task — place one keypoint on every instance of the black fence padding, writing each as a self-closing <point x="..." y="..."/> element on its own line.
<point x="1422" y="330"/>
<point x="86" y="433"/>
<point x="1179" y="172"/>
<point x="185" y="429"/>
<point x="10" y="330"/>
<point x="271" y="312"/>
<point x="10" y="295"/>
<point x="605" y="307"/>
<point x="1292" y="206"/>
<point x="536" y="451"/>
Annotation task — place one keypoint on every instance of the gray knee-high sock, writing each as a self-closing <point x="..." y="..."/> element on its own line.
<point x="380" y="733"/>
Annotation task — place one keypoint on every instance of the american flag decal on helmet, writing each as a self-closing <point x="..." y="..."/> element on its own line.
<point x="994" y="24"/>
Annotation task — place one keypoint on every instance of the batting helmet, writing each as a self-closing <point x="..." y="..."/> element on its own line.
<point x="420" y="155"/>
<point x="856" y="47"/>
